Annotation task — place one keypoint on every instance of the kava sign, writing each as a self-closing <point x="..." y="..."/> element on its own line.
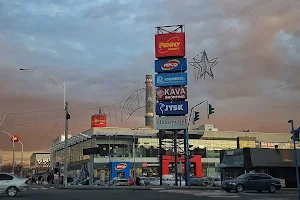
<point x="172" y="93"/>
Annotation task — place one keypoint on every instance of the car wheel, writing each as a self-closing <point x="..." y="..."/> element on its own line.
<point x="272" y="188"/>
<point x="227" y="190"/>
<point x="239" y="188"/>
<point x="12" y="191"/>
<point x="259" y="190"/>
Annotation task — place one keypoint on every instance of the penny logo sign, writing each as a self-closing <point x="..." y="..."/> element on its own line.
<point x="172" y="93"/>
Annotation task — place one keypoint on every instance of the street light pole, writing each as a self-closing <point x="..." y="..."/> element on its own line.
<point x="187" y="154"/>
<point x="22" y="158"/>
<point x="22" y="153"/>
<point x="67" y="117"/>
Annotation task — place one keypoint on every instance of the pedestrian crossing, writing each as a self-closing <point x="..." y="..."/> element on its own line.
<point x="204" y="193"/>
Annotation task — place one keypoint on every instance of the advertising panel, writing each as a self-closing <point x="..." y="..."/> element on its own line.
<point x="171" y="93"/>
<point x="171" y="108"/>
<point x="170" y="45"/>
<point x="170" y="65"/>
<point x="171" y="79"/>
<point x="98" y="121"/>
<point x="120" y="169"/>
<point x="171" y="123"/>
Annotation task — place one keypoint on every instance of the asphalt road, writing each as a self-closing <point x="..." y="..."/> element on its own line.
<point x="56" y="194"/>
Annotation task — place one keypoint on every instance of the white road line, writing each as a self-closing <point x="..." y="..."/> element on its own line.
<point x="157" y="188"/>
<point x="204" y="193"/>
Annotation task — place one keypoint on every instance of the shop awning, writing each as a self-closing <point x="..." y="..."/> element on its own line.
<point x="272" y="157"/>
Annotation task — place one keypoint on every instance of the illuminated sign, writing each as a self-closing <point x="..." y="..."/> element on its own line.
<point x="170" y="65"/>
<point x="171" y="93"/>
<point x="120" y="166"/>
<point x="170" y="44"/>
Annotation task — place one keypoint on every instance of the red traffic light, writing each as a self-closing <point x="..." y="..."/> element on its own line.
<point x="15" y="138"/>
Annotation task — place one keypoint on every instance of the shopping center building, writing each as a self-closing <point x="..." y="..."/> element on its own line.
<point x="138" y="148"/>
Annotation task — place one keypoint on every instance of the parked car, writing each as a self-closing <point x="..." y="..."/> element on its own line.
<point x="167" y="181"/>
<point x="252" y="181"/>
<point x="199" y="182"/>
<point x="12" y="185"/>
<point x="118" y="182"/>
<point x="216" y="182"/>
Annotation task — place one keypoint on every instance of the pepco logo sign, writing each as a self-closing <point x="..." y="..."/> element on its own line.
<point x="121" y="166"/>
<point x="171" y="64"/>
<point x="170" y="44"/>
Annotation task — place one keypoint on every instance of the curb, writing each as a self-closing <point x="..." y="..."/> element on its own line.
<point x="136" y="188"/>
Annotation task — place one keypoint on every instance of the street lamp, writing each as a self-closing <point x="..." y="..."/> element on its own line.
<point x="67" y="116"/>
<point x="22" y="153"/>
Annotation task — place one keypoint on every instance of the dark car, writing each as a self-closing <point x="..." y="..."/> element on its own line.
<point x="199" y="182"/>
<point x="252" y="181"/>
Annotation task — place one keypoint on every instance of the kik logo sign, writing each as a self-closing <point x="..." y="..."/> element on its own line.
<point x="172" y="108"/>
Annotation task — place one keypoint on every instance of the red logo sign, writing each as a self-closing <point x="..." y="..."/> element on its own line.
<point x="144" y="165"/>
<point x="120" y="166"/>
<point x="170" y="44"/>
<point x="98" y="121"/>
<point x="171" y="93"/>
<point x="171" y="64"/>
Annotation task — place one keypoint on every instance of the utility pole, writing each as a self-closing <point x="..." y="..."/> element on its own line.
<point x="293" y="131"/>
<point x="13" y="158"/>
<point x="67" y="117"/>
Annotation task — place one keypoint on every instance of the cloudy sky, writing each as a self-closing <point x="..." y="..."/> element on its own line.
<point x="102" y="49"/>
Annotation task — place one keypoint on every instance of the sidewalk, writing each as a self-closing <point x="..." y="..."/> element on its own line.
<point x="80" y="187"/>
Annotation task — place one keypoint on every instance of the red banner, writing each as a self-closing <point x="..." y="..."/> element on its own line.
<point x="98" y="121"/>
<point x="171" y="93"/>
<point x="170" y="45"/>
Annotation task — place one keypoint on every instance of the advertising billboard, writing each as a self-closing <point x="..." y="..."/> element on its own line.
<point x="120" y="169"/>
<point x="171" y="93"/>
<point x="170" y="45"/>
<point x="171" y="108"/>
<point x="98" y="121"/>
<point x="170" y="65"/>
<point x="171" y="122"/>
<point x="171" y="79"/>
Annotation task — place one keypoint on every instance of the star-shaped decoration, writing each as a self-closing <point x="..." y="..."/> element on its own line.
<point x="203" y="66"/>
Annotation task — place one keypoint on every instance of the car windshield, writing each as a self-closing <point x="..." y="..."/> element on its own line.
<point x="243" y="176"/>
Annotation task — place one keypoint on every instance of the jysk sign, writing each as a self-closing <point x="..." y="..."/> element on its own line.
<point x="170" y="65"/>
<point x="171" y="108"/>
<point x="168" y="45"/>
<point x="171" y="93"/>
<point x="171" y="123"/>
<point x="171" y="79"/>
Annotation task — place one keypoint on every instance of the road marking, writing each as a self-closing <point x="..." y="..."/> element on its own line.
<point x="204" y="193"/>
<point x="157" y="188"/>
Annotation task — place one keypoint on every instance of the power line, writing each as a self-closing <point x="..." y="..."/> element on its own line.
<point x="246" y="25"/>
<point x="43" y="136"/>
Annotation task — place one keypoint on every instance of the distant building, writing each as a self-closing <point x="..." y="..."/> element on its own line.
<point x="6" y="157"/>
<point x="208" y="127"/>
<point x="40" y="160"/>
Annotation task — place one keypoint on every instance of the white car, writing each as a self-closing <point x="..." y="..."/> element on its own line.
<point x="12" y="185"/>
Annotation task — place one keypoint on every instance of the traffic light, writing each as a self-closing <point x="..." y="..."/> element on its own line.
<point x="196" y="117"/>
<point x="15" y="139"/>
<point x="211" y="110"/>
<point x="295" y="134"/>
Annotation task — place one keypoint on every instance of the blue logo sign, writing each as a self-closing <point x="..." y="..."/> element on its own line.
<point x="171" y="65"/>
<point x="171" y="79"/>
<point x="122" y="168"/>
<point x="171" y="108"/>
